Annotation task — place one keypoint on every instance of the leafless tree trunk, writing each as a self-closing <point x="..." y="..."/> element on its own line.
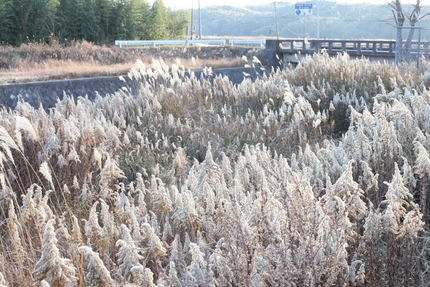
<point x="402" y="15"/>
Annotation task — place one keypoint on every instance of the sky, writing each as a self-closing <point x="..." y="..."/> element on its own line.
<point x="186" y="4"/>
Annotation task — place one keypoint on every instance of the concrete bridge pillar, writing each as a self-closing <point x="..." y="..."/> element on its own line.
<point x="272" y="54"/>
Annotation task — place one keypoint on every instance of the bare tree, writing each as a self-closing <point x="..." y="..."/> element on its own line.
<point x="411" y="16"/>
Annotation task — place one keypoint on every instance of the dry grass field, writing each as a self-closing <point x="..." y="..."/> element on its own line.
<point x="316" y="175"/>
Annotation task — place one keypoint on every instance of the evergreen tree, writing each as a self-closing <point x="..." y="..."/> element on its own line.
<point x="21" y="10"/>
<point x="50" y="24"/>
<point x="158" y="21"/>
<point x="66" y="12"/>
<point x="138" y="28"/>
<point x="177" y="21"/>
<point x="6" y="22"/>
<point x="77" y="20"/>
<point x="99" y="21"/>
<point x="27" y="19"/>
<point x="102" y="12"/>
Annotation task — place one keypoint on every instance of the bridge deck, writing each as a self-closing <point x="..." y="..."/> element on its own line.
<point x="386" y="48"/>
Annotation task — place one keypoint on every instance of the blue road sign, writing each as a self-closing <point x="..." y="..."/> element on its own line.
<point x="303" y="9"/>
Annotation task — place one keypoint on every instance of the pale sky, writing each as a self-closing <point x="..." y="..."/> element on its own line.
<point x="186" y="4"/>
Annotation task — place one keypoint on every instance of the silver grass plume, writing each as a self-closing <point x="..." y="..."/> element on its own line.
<point x="126" y="213"/>
<point x="408" y="175"/>
<point x="15" y="231"/>
<point x="412" y="223"/>
<point x="422" y="168"/>
<point x="93" y="230"/>
<point x="173" y="276"/>
<point x="141" y="210"/>
<point x="109" y="228"/>
<point x="160" y="196"/>
<point x="196" y="270"/>
<point x="154" y="223"/>
<point x="109" y="173"/>
<point x="219" y="264"/>
<point x="177" y="254"/>
<point x="128" y="257"/>
<point x="8" y="140"/>
<point x="357" y="277"/>
<point x="3" y="282"/>
<point x="97" y="274"/>
<point x="23" y="123"/>
<point x="51" y="267"/>
<point x="260" y="266"/>
<point x="125" y="234"/>
<point x="46" y="172"/>
<point x="6" y="154"/>
<point x="29" y="208"/>
<point x="142" y="277"/>
<point x="397" y="200"/>
<point x="350" y="192"/>
<point x="76" y="232"/>
<point x="153" y="245"/>
<point x="187" y="215"/>
<point x="374" y="223"/>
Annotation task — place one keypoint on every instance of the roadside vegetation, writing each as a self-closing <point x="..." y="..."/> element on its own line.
<point x="312" y="176"/>
<point x="98" y="21"/>
<point x="40" y="62"/>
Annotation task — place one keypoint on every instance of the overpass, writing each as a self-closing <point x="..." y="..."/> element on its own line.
<point x="293" y="50"/>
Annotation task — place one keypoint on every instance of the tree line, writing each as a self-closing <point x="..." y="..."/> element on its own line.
<point x="98" y="21"/>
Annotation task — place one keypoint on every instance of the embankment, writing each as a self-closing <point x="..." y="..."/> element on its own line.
<point x="47" y="93"/>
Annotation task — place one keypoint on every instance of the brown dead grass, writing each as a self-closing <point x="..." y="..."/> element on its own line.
<point x="43" y="62"/>
<point x="54" y="70"/>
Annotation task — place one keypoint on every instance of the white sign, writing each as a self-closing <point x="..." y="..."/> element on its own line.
<point x="303" y="9"/>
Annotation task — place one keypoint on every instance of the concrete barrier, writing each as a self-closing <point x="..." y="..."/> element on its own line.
<point x="47" y="93"/>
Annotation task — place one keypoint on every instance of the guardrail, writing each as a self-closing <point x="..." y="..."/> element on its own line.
<point x="156" y="43"/>
<point x="261" y="42"/>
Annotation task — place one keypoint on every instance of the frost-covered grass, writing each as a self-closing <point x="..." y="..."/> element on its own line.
<point x="313" y="176"/>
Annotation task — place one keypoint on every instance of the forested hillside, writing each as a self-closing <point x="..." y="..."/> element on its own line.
<point x="337" y="21"/>
<point x="98" y="21"/>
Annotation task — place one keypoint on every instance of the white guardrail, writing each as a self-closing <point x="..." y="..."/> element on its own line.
<point x="156" y="43"/>
<point x="261" y="42"/>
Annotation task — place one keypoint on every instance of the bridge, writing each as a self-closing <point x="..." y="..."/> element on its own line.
<point x="293" y="50"/>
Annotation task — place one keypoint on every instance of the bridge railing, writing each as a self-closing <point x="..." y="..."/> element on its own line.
<point x="384" y="48"/>
<point x="156" y="43"/>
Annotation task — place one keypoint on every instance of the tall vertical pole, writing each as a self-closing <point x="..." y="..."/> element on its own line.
<point x="192" y="19"/>
<point x="318" y="20"/>
<point x="276" y="18"/>
<point x="398" y="39"/>
<point x="200" y="22"/>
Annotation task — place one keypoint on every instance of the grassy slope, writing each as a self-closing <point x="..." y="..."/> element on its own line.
<point x="39" y="62"/>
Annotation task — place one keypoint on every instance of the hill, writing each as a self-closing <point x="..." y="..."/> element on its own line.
<point x="346" y="21"/>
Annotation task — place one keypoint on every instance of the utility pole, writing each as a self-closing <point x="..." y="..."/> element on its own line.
<point x="192" y="19"/>
<point x="200" y="22"/>
<point x="318" y="19"/>
<point x="276" y="18"/>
